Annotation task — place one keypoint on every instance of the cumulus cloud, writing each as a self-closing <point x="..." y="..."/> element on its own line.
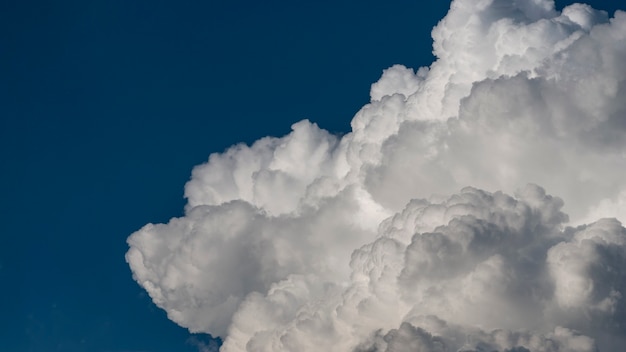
<point x="415" y="231"/>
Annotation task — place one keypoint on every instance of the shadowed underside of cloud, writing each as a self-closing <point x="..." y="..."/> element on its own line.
<point x="372" y="241"/>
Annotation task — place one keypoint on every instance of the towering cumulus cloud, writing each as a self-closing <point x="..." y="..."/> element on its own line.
<point x="423" y="229"/>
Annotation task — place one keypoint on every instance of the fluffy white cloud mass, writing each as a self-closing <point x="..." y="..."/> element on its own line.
<point x="423" y="228"/>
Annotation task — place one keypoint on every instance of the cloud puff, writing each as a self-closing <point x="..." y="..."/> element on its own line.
<point x="410" y="339"/>
<point x="372" y="242"/>
<point x="477" y="269"/>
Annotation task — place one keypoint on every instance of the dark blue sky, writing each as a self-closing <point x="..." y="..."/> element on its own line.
<point x="106" y="106"/>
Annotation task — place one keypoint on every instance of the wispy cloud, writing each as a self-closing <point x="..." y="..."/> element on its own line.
<point x="204" y="346"/>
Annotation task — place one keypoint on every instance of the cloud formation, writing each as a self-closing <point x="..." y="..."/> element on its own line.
<point x="373" y="241"/>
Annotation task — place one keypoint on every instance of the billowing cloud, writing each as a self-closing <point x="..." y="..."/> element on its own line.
<point x="423" y="229"/>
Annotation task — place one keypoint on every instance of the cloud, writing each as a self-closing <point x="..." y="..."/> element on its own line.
<point x="410" y="339"/>
<point x="373" y="241"/>
<point x="210" y="346"/>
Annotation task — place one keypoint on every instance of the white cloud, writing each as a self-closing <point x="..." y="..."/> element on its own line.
<point x="317" y="242"/>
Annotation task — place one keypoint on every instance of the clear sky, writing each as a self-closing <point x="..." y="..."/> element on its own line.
<point x="105" y="106"/>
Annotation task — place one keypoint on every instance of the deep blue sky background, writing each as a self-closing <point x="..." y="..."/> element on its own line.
<point x="105" y="106"/>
